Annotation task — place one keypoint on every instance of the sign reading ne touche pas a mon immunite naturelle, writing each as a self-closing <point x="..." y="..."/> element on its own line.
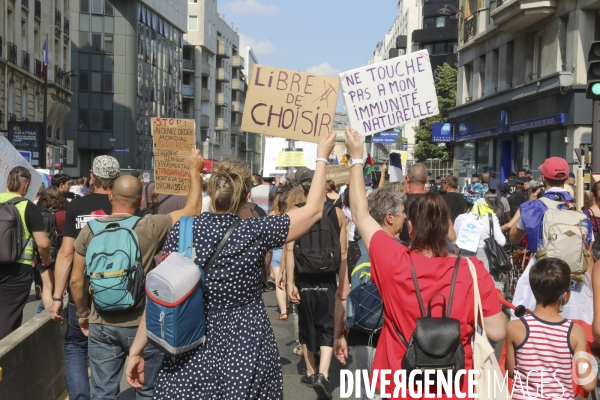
<point x="174" y="140"/>
<point x="290" y="104"/>
<point x="382" y="96"/>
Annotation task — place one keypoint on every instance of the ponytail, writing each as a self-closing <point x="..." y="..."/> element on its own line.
<point x="229" y="185"/>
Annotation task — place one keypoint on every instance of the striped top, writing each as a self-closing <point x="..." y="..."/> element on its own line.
<point x="546" y="347"/>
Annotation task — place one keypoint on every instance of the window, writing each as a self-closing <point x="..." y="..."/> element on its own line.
<point x="96" y="124"/>
<point x="11" y="97"/>
<point x="96" y="82"/>
<point x="537" y="56"/>
<point x="538" y="150"/>
<point x="107" y="121"/>
<point x="97" y="23"/>
<point x="453" y="47"/>
<point x="84" y="22"/>
<point x="108" y="7"/>
<point x="482" y="75"/>
<point x="84" y="101"/>
<point x="510" y="51"/>
<point x="192" y="23"/>
<point x="36" y="106"/>
<point x="468" y="70"/>
<point x="84" y="6"/>
<point x="109" y="25"/>
<point x="96" y="42"/>
<point x="108" y="44"/>
<point x="84" y="123"/>
<point x="557" y="146"/>
<point x="440" y="22"/>
<point x="97" y="7"/>
<point x="193" y="1"/>
<point x="84" y="62"/>
<point x="84" y="41"/>
<point x="428" y="47"/>
<point x="108" y="83"/>
<point x="495" y="56"/>
<point x="24" y="101"/>
<point x="439" y="48"/>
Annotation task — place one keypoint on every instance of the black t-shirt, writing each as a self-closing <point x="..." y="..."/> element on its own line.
<point x="84" y="209"/>
<point x="456" y="203"/>
<point x="409" y="199"/>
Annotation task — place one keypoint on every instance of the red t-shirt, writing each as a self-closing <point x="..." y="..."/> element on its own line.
<point x="390" y="269"/>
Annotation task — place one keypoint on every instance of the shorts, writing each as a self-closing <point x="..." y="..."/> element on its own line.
<point x="316" y="310"/>
<point x="276" y="260"/>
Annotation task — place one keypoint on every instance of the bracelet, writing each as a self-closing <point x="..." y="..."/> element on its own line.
<point x="324" y="160"/>
<point x="57" y="299"/>
<point x="84" y="315"/>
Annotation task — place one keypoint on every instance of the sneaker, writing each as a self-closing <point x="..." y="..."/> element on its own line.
<point x="298" y="350"/>
<point x="308" y="380"/>
<point x="322" y="387"/>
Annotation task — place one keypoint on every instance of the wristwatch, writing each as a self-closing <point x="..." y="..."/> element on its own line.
<point x="57" y="299"/>
<point x="84" y="315"/>
<point x="354" y="161"/>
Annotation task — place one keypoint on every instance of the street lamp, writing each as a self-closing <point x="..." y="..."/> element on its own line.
<point x="449" y="10"/>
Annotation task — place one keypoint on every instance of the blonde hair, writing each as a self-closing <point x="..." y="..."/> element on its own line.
<point x="229" y="185"/>
<point x="296" y="196"/>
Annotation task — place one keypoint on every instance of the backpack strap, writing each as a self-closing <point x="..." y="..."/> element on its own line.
<point x="362" y="247"/>
<point x="186" y="236"/>
<point x="328" y="207"/>
<point x="98" y="226"/>
<point x="550" y="204"/>
<point x="219" y="248"/>
<point x="416" y="283"/>
<point x="163" y="200"/>
<point x="456" y="265"/>
<point x="15" y="200"/>
<point x="491" y="226"/>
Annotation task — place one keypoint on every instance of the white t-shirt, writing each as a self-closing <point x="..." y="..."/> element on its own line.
<point x="352" y="228"/>
<point x="484" y="222"/>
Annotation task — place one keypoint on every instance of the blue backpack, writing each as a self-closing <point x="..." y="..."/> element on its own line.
<point x="175" y="289"/>
<point x="114" y="265"/>
<point x="364" y="307"/>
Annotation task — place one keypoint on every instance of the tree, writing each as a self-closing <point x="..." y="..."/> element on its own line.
<point x="445" y="87"/>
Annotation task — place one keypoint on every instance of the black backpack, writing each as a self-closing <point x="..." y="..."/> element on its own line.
<point x="11" y="231"/>
<point x="515" y="200"/>
<point x="318" y="252"/>
<point x="51" y="230"/>
<point x="153" y="210"/>
<point x="435" y="344"/>
<point x="496" y="204"/>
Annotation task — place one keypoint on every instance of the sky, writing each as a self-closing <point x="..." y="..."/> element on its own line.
<point x="324" y="37"/>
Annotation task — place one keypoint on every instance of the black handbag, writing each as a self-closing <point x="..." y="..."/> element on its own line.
<point x="497" y="258"/>
<point x="435" y="343"/>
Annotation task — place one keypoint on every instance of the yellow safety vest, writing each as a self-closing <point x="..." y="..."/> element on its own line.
<point x="27" y="255"/>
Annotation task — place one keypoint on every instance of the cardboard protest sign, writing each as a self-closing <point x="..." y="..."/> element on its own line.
<point x="384" y="95"/>
<point x="10" y="158"/>
<point x="339" y="173"/>
<point x="173" y="141"/>
<point x="291" y="159"/>
<point x="290" y="104"/>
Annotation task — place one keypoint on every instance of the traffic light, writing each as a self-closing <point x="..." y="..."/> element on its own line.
<point x="593" y="72"/>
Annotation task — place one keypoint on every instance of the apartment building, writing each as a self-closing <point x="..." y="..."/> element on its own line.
<point x="213" y="83"/>
<point x="521" y="83"/>
<point x="128" y="57"/>
<point x="254" y="143"/>
<point x="24" y="26"/>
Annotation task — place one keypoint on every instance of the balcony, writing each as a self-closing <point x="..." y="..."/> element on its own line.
<point x="204" y="121"/>
<point x="57" y="19"/>
<point x="187" y="116"/>
<point x="222" y="125"/>
<point x="469" y="28"/>
<point x="224" y="50"/>
<point x="205" y="94"/>
<point x="205" y="69"/>
<point x="238" y="62"/>
<point x="25" y="4"/>
<point x="187" y="91"/>
<point x="59" y="76"/>
<point x="38" y="10"/>
<point x="237" y="106"/>
<point x="429" y="35"/>
<point x="12" y="53"/>
<point x="67" y="26"/>
<point x="188" y="65"/>
<point x="235" y="129"/>
<point x="67" y="82"/>
<point x="238" y="84"/>
<point x="25" y="60"/>
<point x="223" y="75"/>
<point x="37" y="71"/>
<point x="223" y="100"/>
<point x="12" y="117"/>
<point x="515" y="15"/>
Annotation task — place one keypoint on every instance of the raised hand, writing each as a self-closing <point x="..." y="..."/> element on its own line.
<point x="354" y="144"/>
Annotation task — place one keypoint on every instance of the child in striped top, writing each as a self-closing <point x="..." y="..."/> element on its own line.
<point x="540" y="346"/>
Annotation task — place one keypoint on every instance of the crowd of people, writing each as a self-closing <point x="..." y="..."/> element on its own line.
<point x="425" y="248"/>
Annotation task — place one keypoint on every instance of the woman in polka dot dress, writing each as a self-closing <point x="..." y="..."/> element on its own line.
<point x="239" y="359"/>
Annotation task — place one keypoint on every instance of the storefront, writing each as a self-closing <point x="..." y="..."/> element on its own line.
<point x="520" y="134"/>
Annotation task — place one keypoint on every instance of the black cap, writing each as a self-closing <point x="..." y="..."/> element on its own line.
<point x="475" y="175"/>
<point x="525" y="179"/>
<point x="494" y="184"/>
<point x="438" y="177"/>
<point x="522" y="170"/>
<point x="528" y="172"/>
<point x="571" y="175"/>
<point x="513" y="174"/>
<point x="519" y="182"/>
<point x="304" y="174"/>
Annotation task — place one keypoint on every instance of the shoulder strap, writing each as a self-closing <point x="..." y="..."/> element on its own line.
<point x="362" y="247"/>
<point x="456" y="265"/>
<point x="220" y="246"/>
<point x="491" y="226"/>
<point x="416" y="283"/>
<point x="129" y="222"/>
<point x="550" y="204"/>
<point x="328" y="207"/>
<point x="167" y="197"/>
<point x="186" y="235"/>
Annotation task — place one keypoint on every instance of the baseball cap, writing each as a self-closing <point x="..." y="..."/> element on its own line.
<point x="513" y="173"/>
<point x="528" y="172"/>
<point x="522" y="170"/>
<point x="571" y="175"/>
<point x="534" y="184"/>
<point x="106" y="167"/>
<point x="553" y="167"/>
<point x="494" y="184"/>
<point x="304" y="174"/>
<point x="291" y="177"/>
<point x="519" y="182"/>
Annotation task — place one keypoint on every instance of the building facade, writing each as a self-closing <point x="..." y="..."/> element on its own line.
<point x="128" y="57"/>
<point x="521" y="83"/>
<point x="24" y="26"/>
<point x="214" y="84"/>
<point x="254" y="143"/>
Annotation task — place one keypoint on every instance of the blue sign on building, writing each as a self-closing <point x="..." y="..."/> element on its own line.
<point x="441" y="132"/>
<point x="383" y="139"/>
<point x="125" y="150"/>
<point x="396" y="134"/>
<point x="26" y="155"/>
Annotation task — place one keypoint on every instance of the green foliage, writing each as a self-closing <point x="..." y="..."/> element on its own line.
<point x="445" y="86"/>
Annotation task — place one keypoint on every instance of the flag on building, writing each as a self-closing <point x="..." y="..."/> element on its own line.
<point x="336" y="161"/>
<point x="396" y="174"/>
<point x="45" y="61"/>
<point x="369" y="166"/>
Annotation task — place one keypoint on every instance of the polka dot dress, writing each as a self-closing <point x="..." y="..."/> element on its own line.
<point x="239" y="359"/>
